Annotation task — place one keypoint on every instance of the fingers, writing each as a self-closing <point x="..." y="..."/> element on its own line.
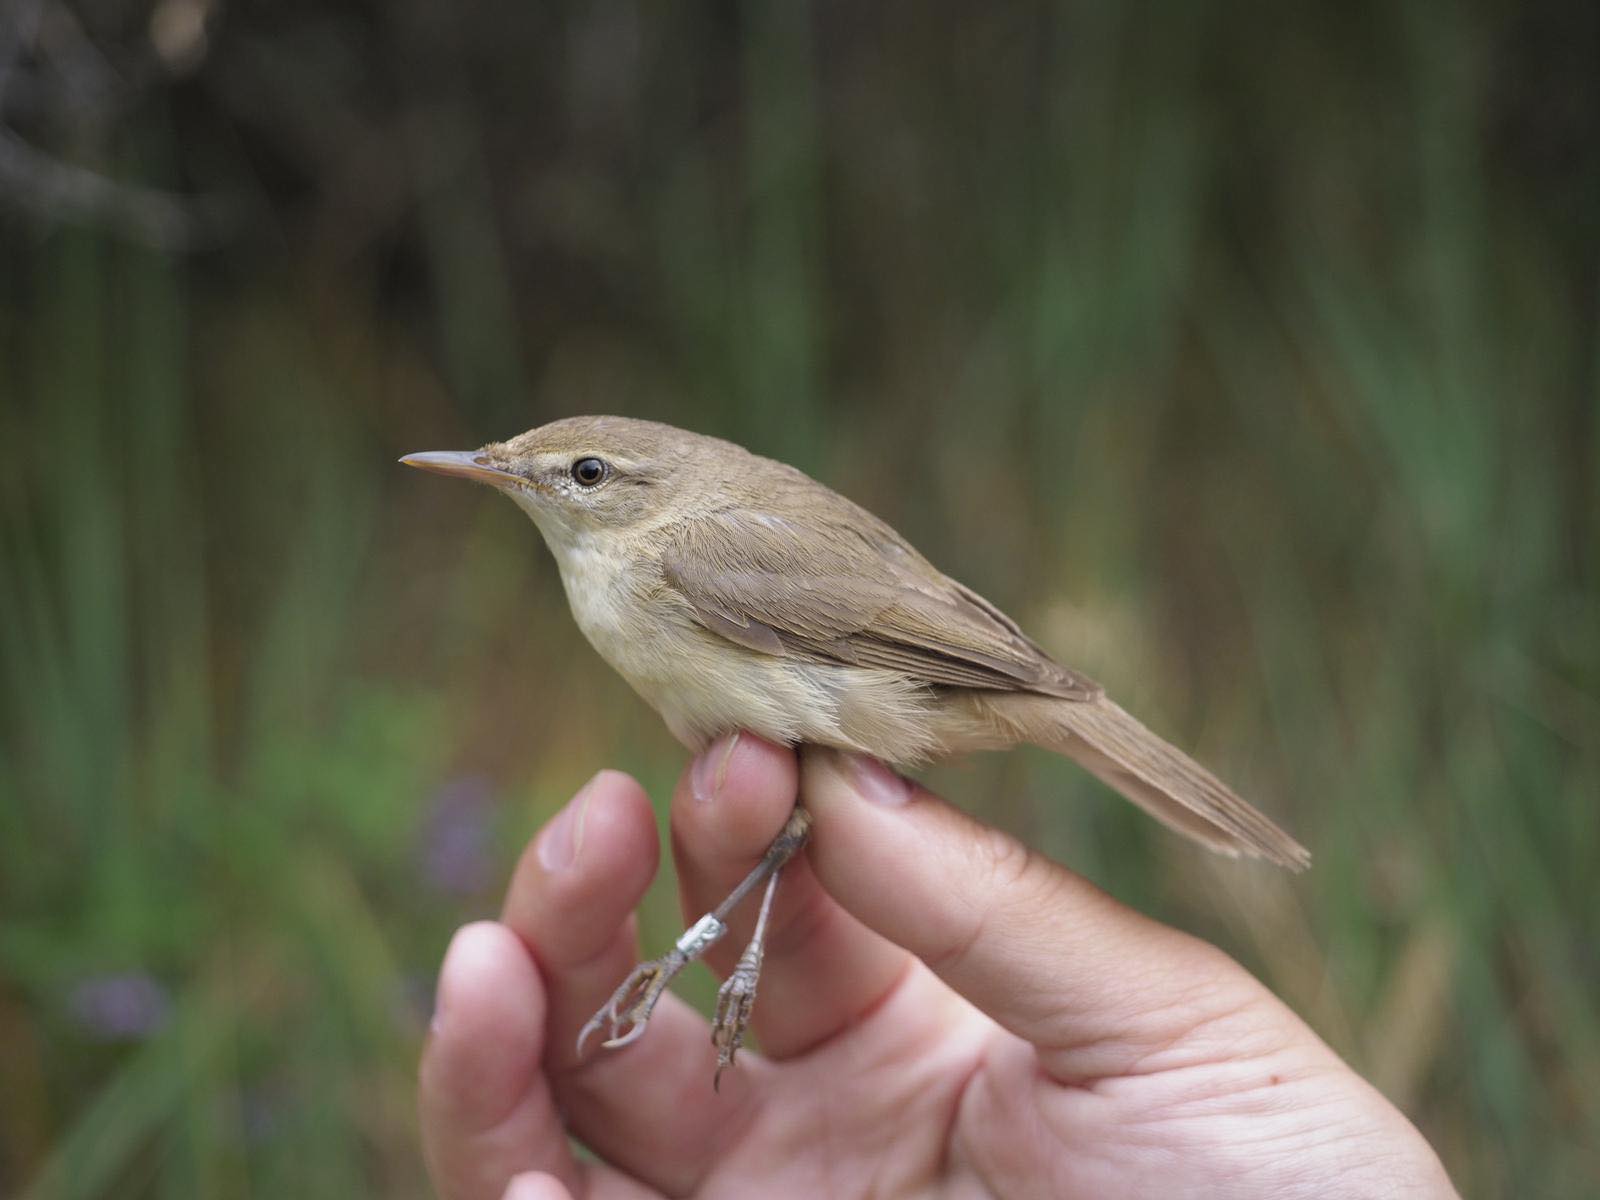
<point x="823" y="968"/>
<point x="485" y="1111"/>
<point x="648" y="1109"/>
<point x="1095" y="986"/>
<point x="572" y="897"/>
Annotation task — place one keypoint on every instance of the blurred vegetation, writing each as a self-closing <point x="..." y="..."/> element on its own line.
<point x="1247" y="355"/>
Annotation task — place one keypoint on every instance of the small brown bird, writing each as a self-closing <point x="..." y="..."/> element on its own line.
<point x="734" y="592"/>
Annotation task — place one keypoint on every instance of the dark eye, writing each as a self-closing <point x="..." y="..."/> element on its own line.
<point x="588" y="471"/>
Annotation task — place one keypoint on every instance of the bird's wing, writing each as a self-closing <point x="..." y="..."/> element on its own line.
<point x="853" y="592"/>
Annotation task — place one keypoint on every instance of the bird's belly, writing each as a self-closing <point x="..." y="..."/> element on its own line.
<point x="704" y="687"/>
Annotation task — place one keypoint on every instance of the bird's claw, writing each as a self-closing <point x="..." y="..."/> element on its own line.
<point x="629" y="1008"/>
<point x="631" y="1004"/>
<point x="735" y="998"/>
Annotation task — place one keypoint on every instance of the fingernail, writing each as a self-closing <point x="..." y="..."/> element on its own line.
<point x="875" y="782"/>
<point x="562" y="839"/>
<point x="710" y="769"/>
<point x="436" y="1021"/>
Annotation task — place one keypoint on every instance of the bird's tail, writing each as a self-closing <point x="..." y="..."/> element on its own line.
<point x="1158" y="777"/>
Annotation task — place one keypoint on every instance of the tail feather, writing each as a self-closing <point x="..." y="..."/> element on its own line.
<point x="1156" y="776"/>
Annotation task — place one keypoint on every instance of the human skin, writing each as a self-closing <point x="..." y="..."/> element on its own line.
<point x="942" y="1012"/>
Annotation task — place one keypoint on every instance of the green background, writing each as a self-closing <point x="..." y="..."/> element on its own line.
<point x="1246" y="354"/>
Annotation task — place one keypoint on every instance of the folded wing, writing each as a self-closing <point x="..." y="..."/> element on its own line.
<point x="804" y="585"/>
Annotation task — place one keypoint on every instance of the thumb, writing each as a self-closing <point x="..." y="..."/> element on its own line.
<point x="1094" y="985"/>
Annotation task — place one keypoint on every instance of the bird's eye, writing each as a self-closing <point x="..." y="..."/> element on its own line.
<point x="587" y="472"/>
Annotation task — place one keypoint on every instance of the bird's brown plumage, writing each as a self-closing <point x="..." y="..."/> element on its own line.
<point x="802" y="580"/>
<point x="735" y="591"/>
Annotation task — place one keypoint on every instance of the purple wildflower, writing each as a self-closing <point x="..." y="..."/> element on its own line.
<point x="128" y="1006"/>
<point x="457" y="852"/>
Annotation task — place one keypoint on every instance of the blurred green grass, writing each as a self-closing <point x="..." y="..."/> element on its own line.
<point x="1249" y="361"/>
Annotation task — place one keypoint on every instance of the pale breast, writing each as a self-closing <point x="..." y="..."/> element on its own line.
<point x="605" y="595"/>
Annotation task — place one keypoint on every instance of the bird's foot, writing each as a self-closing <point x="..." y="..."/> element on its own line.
<point x="625" y="1015"/>
<point x="630" y="1006"/>
<point x="737" y="995"/>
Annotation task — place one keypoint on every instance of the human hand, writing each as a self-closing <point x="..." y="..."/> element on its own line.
<point x="941" y="1010"/>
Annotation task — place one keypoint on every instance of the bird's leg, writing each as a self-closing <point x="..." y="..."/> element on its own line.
<point x="631" y="1004"/>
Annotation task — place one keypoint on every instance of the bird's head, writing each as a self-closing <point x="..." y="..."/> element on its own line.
<point x="582" y="476"/>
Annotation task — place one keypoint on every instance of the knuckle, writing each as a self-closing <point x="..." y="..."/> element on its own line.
<point x="958" y="944"/>
<point x="1003" y="863"/>
<point x="1008" y="879"/>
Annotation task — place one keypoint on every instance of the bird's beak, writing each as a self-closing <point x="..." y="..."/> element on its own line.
<point x="463" y="464"/>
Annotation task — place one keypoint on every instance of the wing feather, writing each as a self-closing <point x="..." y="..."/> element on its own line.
<point x="800" y="584"/>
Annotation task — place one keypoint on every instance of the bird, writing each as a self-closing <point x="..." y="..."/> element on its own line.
<point x="735" y="593"/>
